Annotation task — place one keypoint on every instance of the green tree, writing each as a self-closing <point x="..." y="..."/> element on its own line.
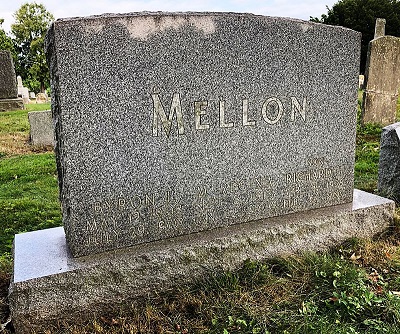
<point x="6" y="42"/>
<point x="31" y="23"/>
<point x="360" y="15"/>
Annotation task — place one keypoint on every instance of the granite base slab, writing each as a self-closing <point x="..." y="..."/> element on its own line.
<point x="11" y="104"/>
<point x="49" y="285"/>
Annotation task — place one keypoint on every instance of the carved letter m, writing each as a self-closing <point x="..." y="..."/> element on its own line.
<point x="166" y="122"/>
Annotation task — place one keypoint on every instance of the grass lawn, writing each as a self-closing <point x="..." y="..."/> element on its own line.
<point x="354" y="288"/>
<point x="14" y="131"/>
<point x="367" y="158"/>
<point x="28" y="196"/>
<point x="28" y="182"/>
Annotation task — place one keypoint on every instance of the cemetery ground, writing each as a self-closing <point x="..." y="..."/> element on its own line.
<point x="354" y="288"/>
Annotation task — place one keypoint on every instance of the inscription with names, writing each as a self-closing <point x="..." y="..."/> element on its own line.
<point x="212" y="204"/>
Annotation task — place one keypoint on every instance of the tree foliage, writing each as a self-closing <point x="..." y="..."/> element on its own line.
<point x="6" y="42"/>
<point x="31" y="23"/>
<point x="361" y="15"/>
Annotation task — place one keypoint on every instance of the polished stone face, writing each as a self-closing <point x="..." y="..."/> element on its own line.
<point x="173" y="123"/>
<point x="8" y="81"/>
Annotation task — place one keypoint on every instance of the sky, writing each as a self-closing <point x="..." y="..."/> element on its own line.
<point x="73" y="8"/>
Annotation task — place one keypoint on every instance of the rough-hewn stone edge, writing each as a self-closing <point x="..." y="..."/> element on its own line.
<point x="11" y="104"/>
<point x="104" y="281"/>
<point x="52" y="61"/>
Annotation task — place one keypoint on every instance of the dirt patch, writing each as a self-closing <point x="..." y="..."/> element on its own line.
<point x="18" y="143"/>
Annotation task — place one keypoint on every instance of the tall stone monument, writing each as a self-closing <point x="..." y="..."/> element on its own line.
<point x="382" y="78"/>
<point x="8" y="85"/>
<point x="210" y="138"/>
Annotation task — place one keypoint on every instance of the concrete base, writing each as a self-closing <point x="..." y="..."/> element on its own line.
<point x="11" y="104"/>
<point x="49" y="285"/>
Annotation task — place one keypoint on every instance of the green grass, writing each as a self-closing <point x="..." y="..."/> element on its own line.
<point x="335" y="292"/>
<point x="15" y="121"/>
<point x="367" y="157"/>
<point x="367" y="152"/>
<point x="14" y="131"/>
<point x="31" y="107"/>
<point x="28" y="183"/>
<point x="38" y="107"/>
<point x="28" y="189"/>
<point x="28" y="196"/>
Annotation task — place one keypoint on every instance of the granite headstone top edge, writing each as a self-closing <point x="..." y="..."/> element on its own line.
<point x="192" y="13"/>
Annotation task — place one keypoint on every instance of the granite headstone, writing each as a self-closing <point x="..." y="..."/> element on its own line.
<point x="8" y="84"/>
<point x="173" y="123"/>
<point x="198" y="121"/>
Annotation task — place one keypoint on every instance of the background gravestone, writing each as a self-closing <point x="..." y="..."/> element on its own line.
<point x="382" y="78"/>
<point x="22" y="91"/>
<point x="198" y="121"/>
<point x="389" y="162"/>
<point x="379" y="28"/>
<point x="8" y="85"/>
<point x="41" y="128"/>
<point x="42" y="98"/>
<point x="20" y="85"/>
